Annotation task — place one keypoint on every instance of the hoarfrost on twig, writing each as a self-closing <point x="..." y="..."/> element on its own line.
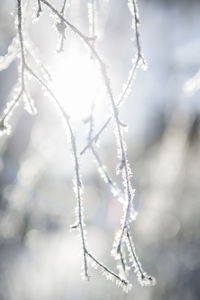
<point x="30" y="67"/>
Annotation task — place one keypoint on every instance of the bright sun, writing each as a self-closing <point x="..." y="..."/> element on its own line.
<point x="76" y="83"/>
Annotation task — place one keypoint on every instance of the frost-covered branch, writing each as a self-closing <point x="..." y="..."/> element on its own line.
<point x="126" y="286"/>
<point x="92" y="20"/>
<point x="20" y="90"/>
<point x="78" y="187"/>
<point x="39" y="9"/>
<point x="30" y="67"/>
<point x="139" y="59"/>
<point x="142" y="277"/>
<point x="61" y="27"/>
<point x="124" y="164"/>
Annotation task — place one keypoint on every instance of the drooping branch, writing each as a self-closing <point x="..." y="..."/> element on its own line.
<point x="21" y="86"/>
<point x="39" y="9"/>
<point x="92" y="21"/>
<point x="126" y="173"/>
<point x="80" y="222"/>
<point x="136" y="62"/>
<point x="124" y="236"/>
<point x="143" y="278"/>
<point x="61" y="27"/>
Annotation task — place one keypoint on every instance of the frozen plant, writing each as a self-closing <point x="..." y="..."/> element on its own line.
<point x="21" y="49"/>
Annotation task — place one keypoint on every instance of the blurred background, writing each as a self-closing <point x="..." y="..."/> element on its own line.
<point x="39" y="257"/>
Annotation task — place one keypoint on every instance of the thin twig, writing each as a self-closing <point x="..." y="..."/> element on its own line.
<point x="107" y="179"/>
<point x="14" y="103"/>
<point x="9" y="110"/>
<point x="135" y="258"/>
<point x="79" y="198"/>
<point x="96" y="156"/>
<point x="123" y="281"/>
<point x="63" y="7"/>
<point x="22" y="61"/>
<point x="96" y="137"/>
<point x="76" y="163"/>
<point x="92" y="21"/>
<point x="130" y="80"/>
<point x="66" y="117"/>
<point x="143" y="278"/>
<point x="126" y="174"/>
<point x="78" y="186"/>
<point x="61" y="27"/>
<point x="129" y="242"/>
<point x="39" y="9"/>
<point x="115" y="112"/>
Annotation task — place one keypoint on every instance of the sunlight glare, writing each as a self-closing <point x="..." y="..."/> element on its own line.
<point x="76" y="83"/>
